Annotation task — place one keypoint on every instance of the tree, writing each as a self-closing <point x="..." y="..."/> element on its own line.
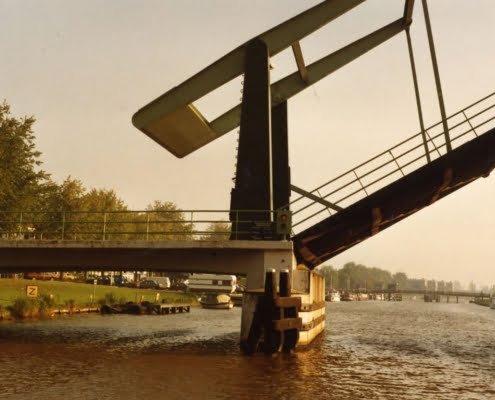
<point x="401" y="279"/>
<point x="22" y="181"/>
<point x="165" y="221"/>
<point x="331" y="276"/>
<point x="74" y="213"/>
<point x="217" y="231"/>
<point x="106" y="214"/>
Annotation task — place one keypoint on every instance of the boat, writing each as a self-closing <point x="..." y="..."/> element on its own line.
<point x="216" y="301"/>
<point x="332" y="296"/>
<point x="346" y="296"/>
<point x="236" y="298"/>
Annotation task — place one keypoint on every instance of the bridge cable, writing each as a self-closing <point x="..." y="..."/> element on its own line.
<point x="437" y="75"/>
<point x="416" y="91"/>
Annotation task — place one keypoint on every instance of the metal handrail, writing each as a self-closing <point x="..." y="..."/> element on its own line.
<point x="102" y="224"/>
<point x="399" y="160"/>
<point x="379" y="179"/>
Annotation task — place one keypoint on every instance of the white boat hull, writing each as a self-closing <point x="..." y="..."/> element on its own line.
<point x="221" y="306"/>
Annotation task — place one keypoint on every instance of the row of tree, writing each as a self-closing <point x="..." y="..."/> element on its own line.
<point x="31" y="203"/>
<point x="354" y="276"/>
<point x="358" y="276"/>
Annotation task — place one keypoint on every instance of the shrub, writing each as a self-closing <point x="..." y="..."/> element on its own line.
<point x="22" y="308"/>
<point x="70" y="303"/>
<point x="45" y="304"/>
<point x="47" y="299"/>
<point x="122" y="300"/>
<point x="109" y="299"/>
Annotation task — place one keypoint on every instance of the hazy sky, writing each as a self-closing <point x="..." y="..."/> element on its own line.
<point x="84" y="67"/>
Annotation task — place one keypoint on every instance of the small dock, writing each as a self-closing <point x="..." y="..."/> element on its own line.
<point x="75" y="310"/>
<point x="146" y="307"/>
<point x="171" y="308"/>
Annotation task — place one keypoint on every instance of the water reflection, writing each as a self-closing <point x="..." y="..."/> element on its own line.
<point x="407" y="350"/>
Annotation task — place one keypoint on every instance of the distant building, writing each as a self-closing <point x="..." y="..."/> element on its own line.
<point x="416" y="284"/>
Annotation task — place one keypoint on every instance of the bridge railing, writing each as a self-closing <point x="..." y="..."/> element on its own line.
<point x="394" y="163"/>
<point x="127" y="225"/>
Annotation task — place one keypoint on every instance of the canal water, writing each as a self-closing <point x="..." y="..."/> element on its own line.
<point x="371" y="350"/>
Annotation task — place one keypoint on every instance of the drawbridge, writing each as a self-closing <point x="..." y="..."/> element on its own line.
<point x="355" y="205"/>
<point x="394" y="184"/>
<point x="269" y="233"/>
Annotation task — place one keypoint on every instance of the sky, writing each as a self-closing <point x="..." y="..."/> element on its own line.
<point x="82" y="68"/>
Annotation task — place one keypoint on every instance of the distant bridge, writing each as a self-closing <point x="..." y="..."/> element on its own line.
<point x="433" y="293"/>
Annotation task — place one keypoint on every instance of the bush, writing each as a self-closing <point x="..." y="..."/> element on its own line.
<point x="22" y="308"/>
<point x="70" y="303"/>
<point x="45" y="304"/>
<point x="47" y="299"/>
<point x="109" y="299"/>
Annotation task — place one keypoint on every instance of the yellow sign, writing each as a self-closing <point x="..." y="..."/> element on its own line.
<point x="32" y="291"/>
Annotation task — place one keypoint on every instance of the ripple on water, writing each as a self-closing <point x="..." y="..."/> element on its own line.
<point x="382" y="350"/>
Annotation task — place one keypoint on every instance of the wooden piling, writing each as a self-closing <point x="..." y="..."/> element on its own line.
<point x="290" y="336"/>
<point x="272" y="339"/>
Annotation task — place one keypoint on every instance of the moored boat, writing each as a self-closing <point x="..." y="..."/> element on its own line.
<point x="332" y="296"/>
<point x="236" y="298"/>
<point x="216" y="301"/>
<point x="346" y="296"/>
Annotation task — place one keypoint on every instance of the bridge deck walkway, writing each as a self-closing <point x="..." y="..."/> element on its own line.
<point x="223" y="256"/>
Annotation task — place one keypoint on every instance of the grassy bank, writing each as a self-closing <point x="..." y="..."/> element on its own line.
<point x="484" y="302"/>
<point x="81" y="294"/>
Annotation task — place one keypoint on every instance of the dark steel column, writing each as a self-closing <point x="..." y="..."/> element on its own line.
<point x="280" y="155"/>
<point x="253" y="184"/>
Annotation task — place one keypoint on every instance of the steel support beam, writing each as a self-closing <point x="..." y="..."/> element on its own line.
<point x="301" y="66"/>
<point x="280" y="157"/>
<point x="416" y="92"/>
<point x="231" y="65"/>
<point x="315" y="198"/>
<point x="408" y="11"/>
<point x="253" y="189"/>
<point x="437" y="76"/>
<point x="291" y="85"/>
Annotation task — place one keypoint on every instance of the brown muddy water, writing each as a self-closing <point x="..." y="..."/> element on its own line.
<point x="371" y="350"/>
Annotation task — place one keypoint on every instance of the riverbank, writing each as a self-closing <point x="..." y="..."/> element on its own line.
<point x="56" y="295"/>
<point x="482" y="302"/>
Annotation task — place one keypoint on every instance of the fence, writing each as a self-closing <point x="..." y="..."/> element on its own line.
<point x="127" y="225"/>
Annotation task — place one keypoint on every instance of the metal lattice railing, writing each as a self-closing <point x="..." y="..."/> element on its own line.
<point x="394" y="163"/>
<point x="131" y="225"/>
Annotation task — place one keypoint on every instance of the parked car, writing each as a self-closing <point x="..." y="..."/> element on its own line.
<point x="104" y="280"/>
<point x="42" y="276"/>
<point x="120" y="280"/>
<point x="149" y="284"/>
<point x="163" y="281"/>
